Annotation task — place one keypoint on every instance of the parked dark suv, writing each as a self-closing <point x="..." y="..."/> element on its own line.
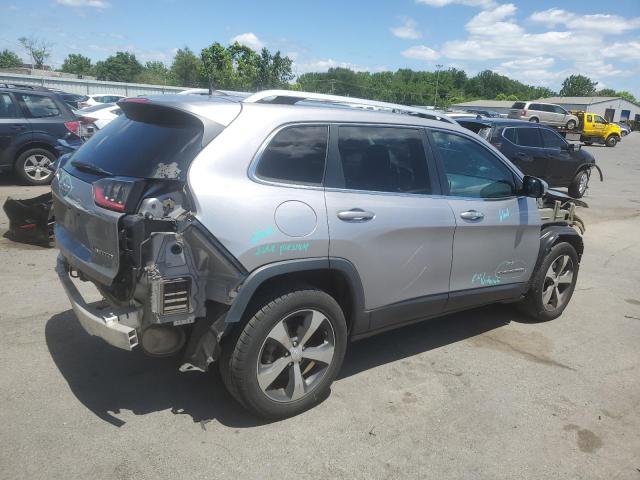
<point x="31" y="122"/>
<point x="539" y="151"/>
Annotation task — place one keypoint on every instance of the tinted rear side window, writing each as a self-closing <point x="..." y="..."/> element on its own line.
<point x="7" y="107"/>
<point x="40" y="106"/>
<point x="296" y="155"/>
<point x="525" y="137"/>
<point x="156" y="145"/>
<point x="518" y="105"/>
<point x="383" y="159"/>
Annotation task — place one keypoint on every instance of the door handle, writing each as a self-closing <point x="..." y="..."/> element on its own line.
<point x="472" y="215"/>
<point x="355" y="215"/>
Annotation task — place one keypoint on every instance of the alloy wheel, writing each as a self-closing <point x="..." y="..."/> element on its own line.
<point x="557" y="283"/>
<point x="296" y="355"/>
<point x="38" y="167"/>
<point x="583" y="182"/>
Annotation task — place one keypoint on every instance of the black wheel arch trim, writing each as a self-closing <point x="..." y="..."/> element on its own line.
<point x="587" y="166"/>
<point x="257" y="277"/>
<point x="554" y="233"/>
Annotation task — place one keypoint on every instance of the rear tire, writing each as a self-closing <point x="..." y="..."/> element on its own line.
<point x="580" y="184"/>
<point x="588" y="143"/>
<point x="284" y="359"/>
<point x="34" y="166"/>
<point x="611" y="141"/>
<point x="552" y="284"/>
<point x="534" y="120"/>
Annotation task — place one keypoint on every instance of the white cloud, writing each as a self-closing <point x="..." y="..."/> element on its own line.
<point x="250" y="40"/>
<point x="84" y="3"/>
<point x="407" y="30"/>
<point x="469" y="3"/>
<point x="534" y="62"/>
<point x="421" y="52"/>
<point x="495" y="22"/>
<point x="600" y="23"/>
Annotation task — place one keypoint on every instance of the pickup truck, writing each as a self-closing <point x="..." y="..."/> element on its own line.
<point x="593" y="128"/>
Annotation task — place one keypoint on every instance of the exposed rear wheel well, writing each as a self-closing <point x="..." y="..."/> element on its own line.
<point x="333" y="282"/>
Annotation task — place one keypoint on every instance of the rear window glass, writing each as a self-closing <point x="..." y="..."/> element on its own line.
<point x="518" y="105"/>
<point x="296" y="155"/>
<point x="95" y="108"/>
<point x="137" y="148"/>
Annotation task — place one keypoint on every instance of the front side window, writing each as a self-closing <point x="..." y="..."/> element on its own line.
<point x="7" y="107"/>
<point x="599" y="119"/>
<point x="472" y="170"/>
<point x="39" y="106"/>
<point x="383" y="159"/>
<point x="552" y="139"/>
<point x="560" y="110"/>
<point x="525" y="137"/>
<point x="295" y="155"/>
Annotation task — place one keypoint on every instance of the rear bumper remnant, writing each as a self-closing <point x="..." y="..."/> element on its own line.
<point x="107" y="323"/>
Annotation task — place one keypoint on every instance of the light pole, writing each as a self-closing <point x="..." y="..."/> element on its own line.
<point x="435" y="96"/>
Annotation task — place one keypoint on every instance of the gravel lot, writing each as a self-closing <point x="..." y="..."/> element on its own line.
<point x="477" y="395"/>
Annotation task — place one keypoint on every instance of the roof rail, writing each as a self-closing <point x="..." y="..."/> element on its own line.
<point x="291" y="97"/>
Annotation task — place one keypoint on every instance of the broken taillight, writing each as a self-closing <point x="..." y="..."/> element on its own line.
<point x="112" y="194"/>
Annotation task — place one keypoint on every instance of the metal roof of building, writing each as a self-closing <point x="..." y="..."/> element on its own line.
<point x="579" y="100"/>
<point x="486" y="103"/>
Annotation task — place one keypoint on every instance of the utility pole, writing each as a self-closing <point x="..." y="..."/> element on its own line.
<point x="435" y="96"/>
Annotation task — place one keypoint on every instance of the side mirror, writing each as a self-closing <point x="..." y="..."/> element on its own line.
<point x="533" y="187"/>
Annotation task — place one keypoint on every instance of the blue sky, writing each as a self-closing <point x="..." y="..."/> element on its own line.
<point x="538" y="42"/>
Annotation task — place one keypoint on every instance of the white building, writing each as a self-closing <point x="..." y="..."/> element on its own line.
<point x="614" y="109"/>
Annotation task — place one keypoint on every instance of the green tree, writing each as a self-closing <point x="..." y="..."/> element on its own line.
<point x="155" y="73"/>
<point x="217" y="66"/>
<point x="514" y="98"/>
<point x="38" y="49"/>
<point x="626" y="95"/>
<point x="9" y="59"/>
<point x="77" y="64"/>
<point x="607" y="92"/>
<point x="501" y="96"/>
<point x="121" y="67"/>
<point x="578" y="86"/>
<point x="185" y="69"/>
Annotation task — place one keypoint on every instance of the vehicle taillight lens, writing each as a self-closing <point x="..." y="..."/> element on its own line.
<point x="73" y="127"/>
<point x="523" y="113"/>
<point x="112" y="194"/>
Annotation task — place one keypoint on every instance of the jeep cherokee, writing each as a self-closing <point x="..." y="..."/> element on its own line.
<point x="265" y="233"/>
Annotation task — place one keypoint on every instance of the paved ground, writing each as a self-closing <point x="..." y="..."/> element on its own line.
<point x="478" y="395"/>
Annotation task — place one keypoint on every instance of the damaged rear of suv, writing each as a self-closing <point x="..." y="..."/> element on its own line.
<point x="125" y="223"/>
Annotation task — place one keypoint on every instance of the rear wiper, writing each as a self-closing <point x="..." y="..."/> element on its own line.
<point x="87" y="167"/>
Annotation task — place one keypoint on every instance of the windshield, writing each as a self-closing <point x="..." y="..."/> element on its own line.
<point x="131" y="148"/>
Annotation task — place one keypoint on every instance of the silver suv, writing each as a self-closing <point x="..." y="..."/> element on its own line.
<point x="265" y="233"/>
<point x="547" y="113"/>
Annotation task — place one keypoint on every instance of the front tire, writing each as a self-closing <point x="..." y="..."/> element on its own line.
<point x="611" y="141"/>
<point x="552" y="284"/>
<point x="571" y="124"/>
<point x="286" y="356"/>
<point x="580" y="184"/>
<point x="35" y="166"/>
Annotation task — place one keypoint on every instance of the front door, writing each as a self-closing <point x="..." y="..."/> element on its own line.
<point x="497" y="231"/>
<point x="386" y="216"/>
<point x="526" y="150"/>
<point x="561" y="165"/>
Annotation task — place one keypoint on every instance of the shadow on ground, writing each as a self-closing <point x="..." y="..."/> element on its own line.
<point x="107" y="380"/>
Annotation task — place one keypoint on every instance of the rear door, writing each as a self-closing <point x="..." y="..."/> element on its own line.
<point x="497" y="233"/>
<point x="14" y="129"/>
<point x="387" y="217"/>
